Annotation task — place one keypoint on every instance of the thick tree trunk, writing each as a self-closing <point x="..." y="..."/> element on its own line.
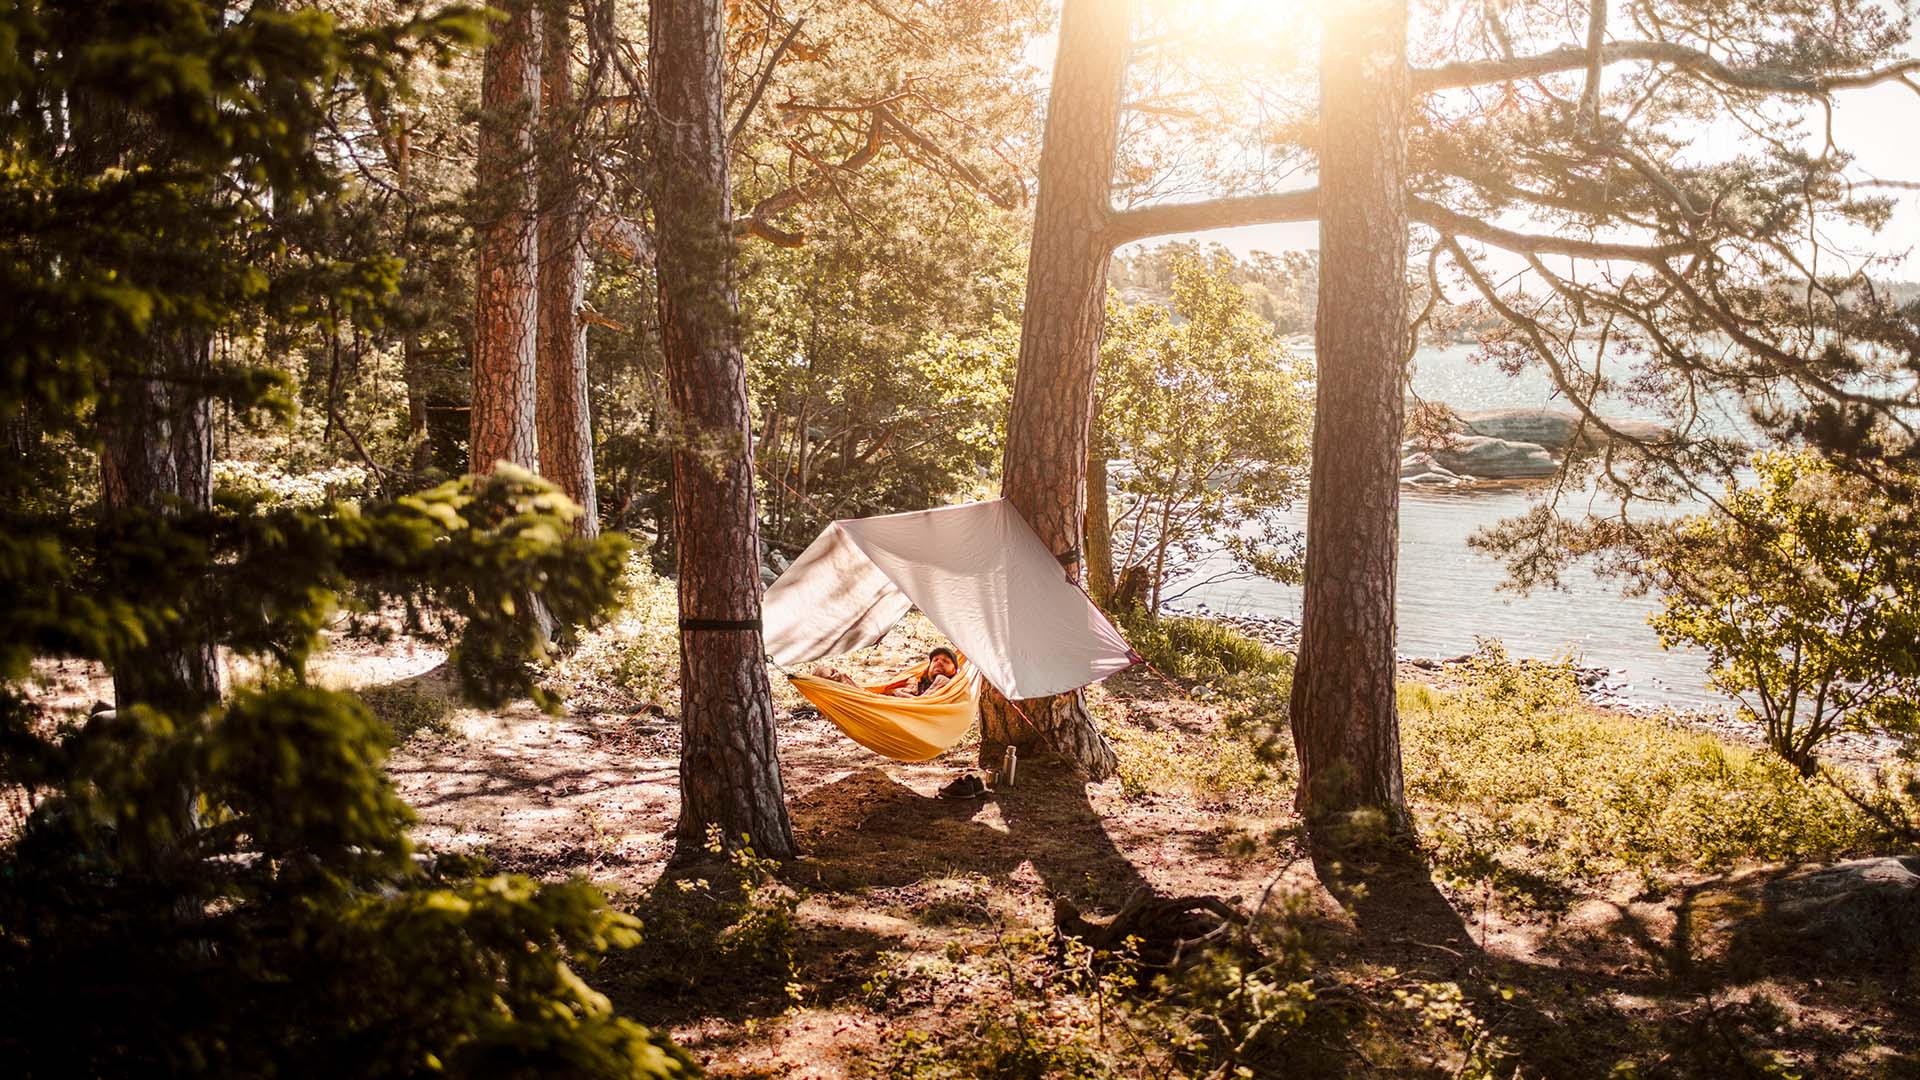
<point x="729" y="761"/>
<point x="156" y="455"/>
<point x="1060" y="341"/>
<point x="565" y="421"/>
<point x="1345" y="726"/>
<point x="155" y="425"/>
<point x="505" y="363"/>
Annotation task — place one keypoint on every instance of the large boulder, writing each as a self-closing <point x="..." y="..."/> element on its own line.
<point x="1495" y="459"/>
<point x="1851" y="916"/>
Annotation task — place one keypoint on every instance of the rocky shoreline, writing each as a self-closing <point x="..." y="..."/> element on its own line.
<point x="1600" y="687"/>
<point x="1505" y="444"/>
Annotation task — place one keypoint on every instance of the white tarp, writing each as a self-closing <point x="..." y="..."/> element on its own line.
<point x="978" y="572"/>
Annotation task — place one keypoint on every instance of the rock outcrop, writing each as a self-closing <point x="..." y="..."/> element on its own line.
<point x="1487" y="458"/>
<point x="1509" y="444"/>
<point x="1848" y="917"/>
<point x="1422" y="470"/>
<point x="1554" y="429"/>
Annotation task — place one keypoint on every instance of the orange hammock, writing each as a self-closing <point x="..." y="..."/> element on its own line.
<point x="902" y="728"/>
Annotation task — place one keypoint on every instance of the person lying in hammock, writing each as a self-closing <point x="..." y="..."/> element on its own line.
<point x="942" y="666"/>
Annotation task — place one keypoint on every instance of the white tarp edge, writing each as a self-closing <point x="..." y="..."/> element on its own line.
<point x="978" y="572"/>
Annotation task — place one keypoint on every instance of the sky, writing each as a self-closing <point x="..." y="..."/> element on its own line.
<point x="1880" y="125"/>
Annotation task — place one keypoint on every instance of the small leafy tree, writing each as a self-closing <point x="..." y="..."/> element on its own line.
<point x="1804" y="590"/>
<point x="1209" y="411"/>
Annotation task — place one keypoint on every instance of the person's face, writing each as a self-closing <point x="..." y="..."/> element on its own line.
<point x="941" y="665"/>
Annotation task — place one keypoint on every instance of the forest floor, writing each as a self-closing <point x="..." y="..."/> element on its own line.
<point x="913" y="936"/>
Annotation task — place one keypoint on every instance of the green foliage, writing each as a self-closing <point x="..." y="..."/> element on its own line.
<point x="229" y="888"/>
<point x="1282" y="289"/>
<point x="407" y="711"/>
<point x="255" y="483"/>
<point x="1515" y="782"/>
<point x="1209" y="412"/>
<point x="121" y="225"/>
<point x="1195" y="647"/>
<point x="1257" y="1004"/>
<point x="238" y="895"/>
<point x="1240" y="761"/>
<point x="1219" y="767"/>
<point x="883" y="354"/>
<point x="633" y="662"/>
<point x="746" y="921"/>
<point x="1804" y="591"/>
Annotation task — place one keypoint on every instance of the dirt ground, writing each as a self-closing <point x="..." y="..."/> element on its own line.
<point x="890" y="875"/>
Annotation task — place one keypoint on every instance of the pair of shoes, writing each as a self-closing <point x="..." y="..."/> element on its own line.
<point x="967" y="787"/>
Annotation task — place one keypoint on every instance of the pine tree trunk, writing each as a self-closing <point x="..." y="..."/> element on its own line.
<point x="155" y="425"/>
<point x="1065" y="312"/>
<point x="156" y="455"/>
<point x="729" y="760"/>
<point x="565" y="420"/>
<point x="505" y="358"/>
<point x="1346" y="729"/>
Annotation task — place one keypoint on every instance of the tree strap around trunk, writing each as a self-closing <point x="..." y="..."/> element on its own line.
<point x="1069" y="556"/>
<point x="719" y="624"/>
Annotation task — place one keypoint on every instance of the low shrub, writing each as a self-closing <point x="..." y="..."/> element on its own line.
<point x="1193" y="647"/>
<point x="1039" y="1005"/>
<point x="633" y="662"/>
<point x="743" y="923"/>
<point x="408" y="711"/>
<point x="1514" y="780"/>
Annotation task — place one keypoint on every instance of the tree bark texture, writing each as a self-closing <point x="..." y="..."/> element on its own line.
<point x="155" y="426"/>
<point x="729" y="761"/>
<point x="505" y="357"/>
<point x="564" y="418"/>
<point x="1346" y="728"/>
<point x="1060" y="330"/>
<point x="156" y="455"/>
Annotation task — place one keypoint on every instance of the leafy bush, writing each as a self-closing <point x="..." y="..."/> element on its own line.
<point x="1209" y="410"/>
<point x="1195" y="647"/>
<point x="237" y="895"/>
<point x="633" y="662"/>
<point x="1240" y="761"/>
<point x="1515" y="781"/>
<point x="228" y="888"/>
<point x="1039" y="1005"/>
<point x="747" y="922"/>
<point x="1217" y="768"/>
<point x="408" y="711"/>
<point x="258" y="483"/>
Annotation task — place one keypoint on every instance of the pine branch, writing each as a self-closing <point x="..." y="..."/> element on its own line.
<point x="1454" y="223"/>
<point x="1126" y="226"/>
<point x="1772" y="80"/>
